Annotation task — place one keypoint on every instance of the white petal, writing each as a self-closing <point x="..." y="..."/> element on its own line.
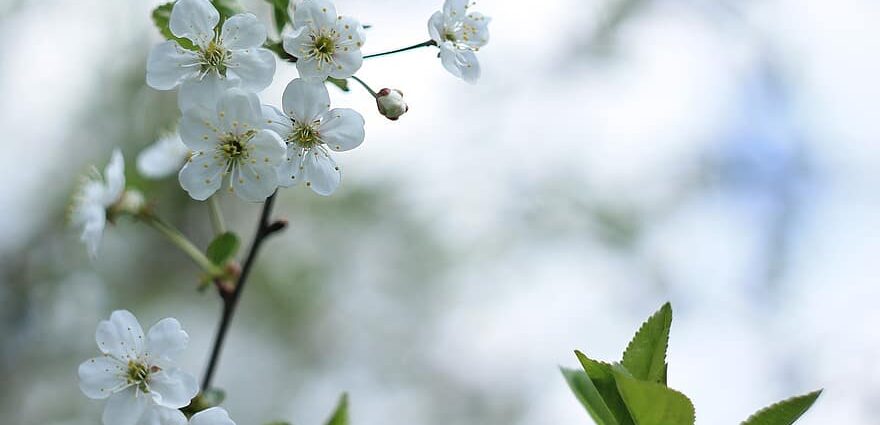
<point x="296" y="41"/>
<point x="168" y="64"/>
<point x="455" y="8"/>
<point x="166" y="338"/>
<point x="461" y="63"/>
<point x="436" y="27"/>
<point x="101" y="376"/>
<point x="195" y="20"/>
<point x="314" y="14"/>
<point x="202" y="175"/>
<point x="351" y="32"/>
<point x="238" y="109"/>
<point x="124" y="407"/>
<point x="243" y="31"/>
<point x="342" y="129"/>
<point x="114" y="178"/>
<point x="163" y="158"/>
<point x="93" y="218"/>
<point x="347" y="63"/>
<point x="320" y="172"/>
<point x="255" y="68"/>
<point x="173" y="388"/>
<point x="160" y="415"/>
<point x="121" y="336"/>
<point x="254" y="182"/>
<point x="212" y="416"/>
<point x="276" y="121"/>
<point x="290" y="170"/>
<point x="205" y="91"/>
<point x="305" y="100"/>
<point x="311" y="69"/>
<point x="268" y="149"/>
<point x="199" y="129"/>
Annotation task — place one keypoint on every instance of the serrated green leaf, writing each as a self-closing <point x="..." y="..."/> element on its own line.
<point x="161" y="18"/>
<point x="603" y="379"/>
<point x="223" y="248"/>
<point x="341" y="83"/>
<point x="340" y="414"/>
<point x="589" y="396"/>
<point x="785" y="412"/>
<point x="645" y="356"/>
<point x="651" y="403"/>
<point x="280" y="13"/>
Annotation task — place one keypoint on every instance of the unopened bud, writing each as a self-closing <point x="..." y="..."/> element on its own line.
<point x="391" y="104"/>
<point x="132" y="202"/>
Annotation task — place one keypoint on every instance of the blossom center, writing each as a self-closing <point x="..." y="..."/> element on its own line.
<point x="234" y="146"/>
<point x="214" y="58"/>
<point x="305" y="135"/>
<point x="323" y="46"/>
<point x="138" y="374"/>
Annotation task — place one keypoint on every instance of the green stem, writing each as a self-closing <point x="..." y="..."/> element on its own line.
<point x="177" y="238"/>
<point x="414" y="46"/>
<point x="216" y="216"/>
<point x="369" y="89"/>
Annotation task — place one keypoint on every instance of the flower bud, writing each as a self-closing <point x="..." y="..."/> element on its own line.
<point x="391" y="104"/>
<point x="132" y="202"/>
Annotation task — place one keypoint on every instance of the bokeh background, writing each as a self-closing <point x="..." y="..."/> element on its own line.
<point x="720" y="154"/>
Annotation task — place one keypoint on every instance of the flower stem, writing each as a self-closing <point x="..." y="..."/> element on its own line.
<point x="177" y="238"/>
<point x="415" y="46"/>
<point x="365" y="85"/>
<point x="216" y="216"/>
<point x="265" y="228"/>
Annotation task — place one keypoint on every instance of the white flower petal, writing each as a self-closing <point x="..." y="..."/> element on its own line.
<point x="314" y="13"/>
<point x="305" y="100"/>
<point x="166" y="338"/>
<point x="205" y="91"/>
<point x="173" y="388"/>
<point x="199" y="129"/>
<point x="347" y="63"/>
<point x="254" y="182"/>
<point x="163" y="158"/>
<point x="276" y="121"/>
<point x="255" y="68"/>
<point x="342" y="129"/>
<point x="195" y="20"/>
<point x="455" y="8"/>
<point x="311" y="69"/>
<point x="93" y="219"/>
<point x="461" y="63"/>
<point x="320" y="172"/>
<point x="436" y="27"/>
<point x="159" y="415"/>
<point x="121" y="336"/>
<point x="243" y="31"/>
<point x="202" y="175"/>
<point x="168" y="64"/>
<point x="268" y="149"/>
<point x="101" y="376"/>
<point x="124" y="407"/>
<point x="351" y="32"/>
<point x="238" y="109"/>
<point x="296" y="42"/>
<point x="114" y="178"/>
<point x="290" y="170"/>
<point x="212" y="416"/>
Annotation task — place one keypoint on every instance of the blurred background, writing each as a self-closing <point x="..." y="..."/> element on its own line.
<point x="616" y="154"/>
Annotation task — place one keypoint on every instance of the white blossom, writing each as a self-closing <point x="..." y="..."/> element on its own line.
<point x="459" y="34"/>
<point x="136" y="372"/>
<point x="94" y="198"/>
<point x="163" y="158"/>
<point x="311" y="129"/>
<point x="212" y="416"/>
<point x="325" y="45"/>
<point x="391" y="103"/>
<point x="225" y="57"/>
<point x="229" y="141"/>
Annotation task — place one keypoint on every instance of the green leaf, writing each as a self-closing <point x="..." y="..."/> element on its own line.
<point x="602" y="377"/>
<point x="280" y="13"/>
<point x="341" y="83"/>
<point x="161" y="18"/>
<point x="785" y="412"/>
<point x="340" y="415"/>
<point x="651" y="403"/>
<point x="589" y="396"/>
<point x="223" y="248"/>
<point x="645" y="356"/>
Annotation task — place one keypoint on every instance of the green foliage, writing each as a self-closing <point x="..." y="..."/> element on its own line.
<point x="204" y="400"/>
<point x="645" y="356"/>
<point x="340" y="414"/>
<point x="227" y="8"/>
<point x="634" y="391"/>
<point x="784" y="412"/>
<point x="341" y="83"/>
<point x="161" y="18"/>
<point x="280" y="13"/>
<point x="223" y="248"/>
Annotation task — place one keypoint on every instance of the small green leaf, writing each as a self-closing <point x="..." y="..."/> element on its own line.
<point x="589" y="396"/>
<point x="341" y="83"/>
<point x="340" y="415"/>
<point x="223" y="248"/>
<point x="645" y="356"/>
<point x="602" y="377"/>
<point x="161" y="18"/>
<point x="651" y="403"/>
<point x="280" y="13"/>
<point x="785" y="412"/>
